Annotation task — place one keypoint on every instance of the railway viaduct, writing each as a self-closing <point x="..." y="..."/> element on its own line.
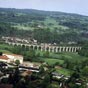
<point x="49" y="48"/>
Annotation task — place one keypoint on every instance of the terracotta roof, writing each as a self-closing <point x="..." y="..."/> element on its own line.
<point x="4" y="57"/>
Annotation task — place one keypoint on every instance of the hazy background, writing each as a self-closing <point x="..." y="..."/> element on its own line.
<point x="70" y="6"/>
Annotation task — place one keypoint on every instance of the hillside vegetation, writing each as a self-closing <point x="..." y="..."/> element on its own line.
<point x="44" y="26"/>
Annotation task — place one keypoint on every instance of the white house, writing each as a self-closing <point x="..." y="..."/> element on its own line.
<point x="14" y="57"/>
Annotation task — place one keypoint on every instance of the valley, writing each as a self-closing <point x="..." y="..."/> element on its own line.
<point x="51" y="46"/>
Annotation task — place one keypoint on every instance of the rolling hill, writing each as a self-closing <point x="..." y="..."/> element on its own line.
<point x="45" y="26"/>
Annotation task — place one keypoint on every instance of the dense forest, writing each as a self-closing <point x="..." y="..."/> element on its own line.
<point x="44" y="26"/>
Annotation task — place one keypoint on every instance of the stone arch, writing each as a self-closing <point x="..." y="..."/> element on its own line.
<point x="27" y="48"/>
<point x="31" y="47"/>
<point x="50" y="49"/>
<point x="68" y="49"/>
<point x="47" y="48"/>
<point x="12" y="44"/>
<point x="15" y="45"/>
<point x="40" y="47"/>
<point x="58" y="49"/>
<point x="61" y="49"/>
<point x="77" y="49"/>
<point x="54" y="49"/>
<point x="23" y="46"/>
<point x="35" y="47"/>
<point x="73" y="49"/>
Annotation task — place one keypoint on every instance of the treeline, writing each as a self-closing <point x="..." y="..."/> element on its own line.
<point x="75" y="24"/>
<point x="7" y="30"/>
<point x="47" y="36"/>
<point x="20" y="16"/>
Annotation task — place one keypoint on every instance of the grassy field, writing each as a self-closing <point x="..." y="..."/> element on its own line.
<point x="4" y="48"/>
<point x="66" y="72"/>
<point x="22" y="27"/>
<point x="64" y="55"/>
<point x="48" y="23"/>
<point x="53" y="61"/>
<point x="68" y="55"/>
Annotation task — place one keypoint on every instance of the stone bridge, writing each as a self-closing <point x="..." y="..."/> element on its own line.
<point x="49" y="48"/>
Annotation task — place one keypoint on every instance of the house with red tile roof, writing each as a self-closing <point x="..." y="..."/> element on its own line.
<point x="4" y="58"/>
<point x="14" y="57"/>
<point x="11" y="58"/>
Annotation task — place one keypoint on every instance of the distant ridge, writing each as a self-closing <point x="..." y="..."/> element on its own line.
<point x="12" y="9"/>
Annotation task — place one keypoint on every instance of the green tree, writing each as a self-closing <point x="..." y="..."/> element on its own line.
<point x="17" y="62"/>
<point x="46" y="54"/>
<point x="46" y="81"/>
<point x="30" y="55"/>
<point x="85" y="71"/>
<point x="84" y="50"/>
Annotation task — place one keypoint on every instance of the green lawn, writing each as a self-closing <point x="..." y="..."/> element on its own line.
<point x="68" y="55"/>
<point x="64" y="55"/>
<point x="54" y="25"/>
<point x="22" y="27"/>
<point x="74" y="56"/>
<point x="63" y="71"/>
<point x="5" y="46"/>
<point x="53" y="61"/>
